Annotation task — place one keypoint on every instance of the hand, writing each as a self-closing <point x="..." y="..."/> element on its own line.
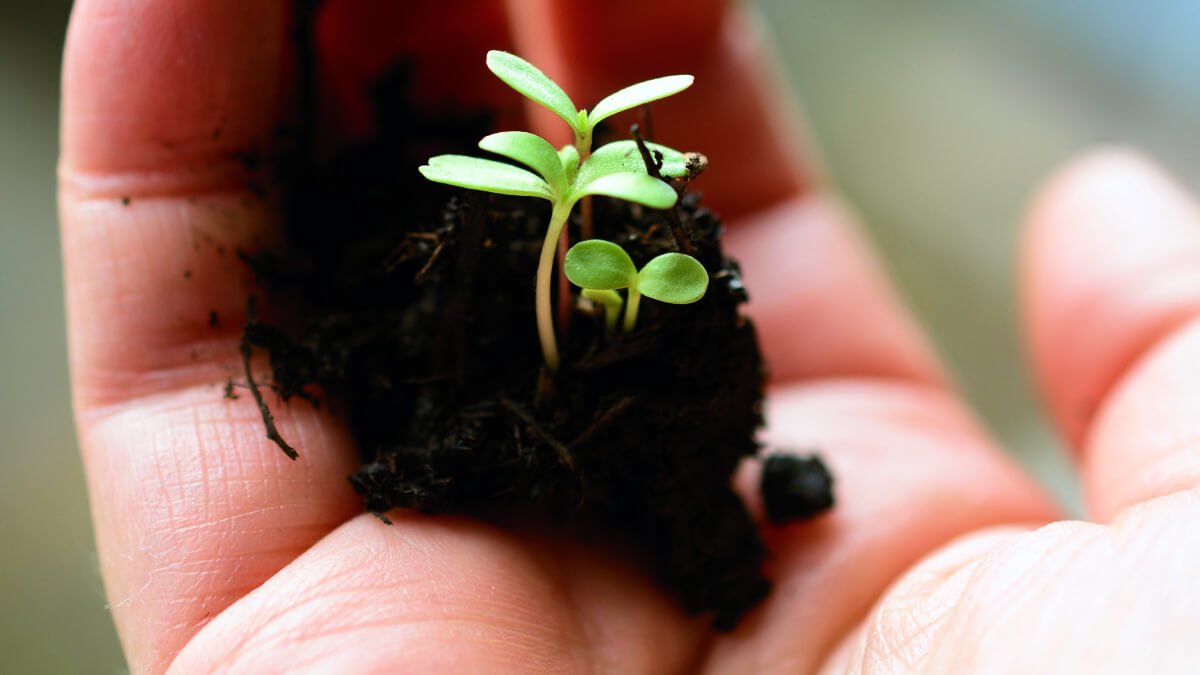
<point x="220" y="554"/>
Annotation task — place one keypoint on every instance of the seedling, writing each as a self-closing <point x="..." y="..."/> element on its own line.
<point x="601" y="268"/>
<point x="565" y="176"/>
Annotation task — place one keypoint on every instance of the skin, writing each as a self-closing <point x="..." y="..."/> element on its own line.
<point x="220" y="555"/>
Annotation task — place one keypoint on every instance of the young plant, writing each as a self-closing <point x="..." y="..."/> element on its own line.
<point x="601" y="268"/>
<point x="534" y="84"/>
<point x="565" y="176"/>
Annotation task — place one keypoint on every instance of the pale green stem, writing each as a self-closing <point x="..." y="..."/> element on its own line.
<point x="612" y="310"/>
<point x="583" y="145"/>
<point x="631" y="309"/>
<point x="545" y="272"/>
<point x="612" y="303"/>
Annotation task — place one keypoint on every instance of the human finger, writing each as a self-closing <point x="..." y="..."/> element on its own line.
<point x="1112" y="293"/>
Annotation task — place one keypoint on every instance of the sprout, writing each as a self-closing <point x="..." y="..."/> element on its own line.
<point x="601" y="268"/>
<point x="614" y="170"/>
<point x="533" y="83"/>
<point x="565" y="176"/>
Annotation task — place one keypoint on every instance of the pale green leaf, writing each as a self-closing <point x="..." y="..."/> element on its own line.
<point x="632" y="187"/>
<point x="624" y="157"/>
<point x="638" y="94"/>
<point x="599" y="265"/>
<point x="523" y="76"/>
<point x="487" y="175"/>
<point x="532" y="151"/>
<point x="676" y="278"/>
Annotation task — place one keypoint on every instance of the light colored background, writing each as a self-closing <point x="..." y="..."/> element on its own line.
<point x="938" y="118"/>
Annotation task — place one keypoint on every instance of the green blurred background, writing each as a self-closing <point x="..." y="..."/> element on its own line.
<point x="937" y="117"/>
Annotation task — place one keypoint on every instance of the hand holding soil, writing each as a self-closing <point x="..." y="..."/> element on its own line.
<point x="220" y="553"/>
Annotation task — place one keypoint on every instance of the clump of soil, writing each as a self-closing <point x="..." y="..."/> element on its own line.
<point x="418" y="323"/>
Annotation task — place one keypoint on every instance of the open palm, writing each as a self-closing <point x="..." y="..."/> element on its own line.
<point x="219" y="554"/>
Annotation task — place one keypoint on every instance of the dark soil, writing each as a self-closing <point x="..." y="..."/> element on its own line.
<point x="418" y="325"/>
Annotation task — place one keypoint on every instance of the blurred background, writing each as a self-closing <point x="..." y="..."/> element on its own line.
<point x="937" y="118"/>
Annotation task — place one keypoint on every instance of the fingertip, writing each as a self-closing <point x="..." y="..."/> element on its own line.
<point x="1068" y="195"/>
<point x="167" y="85"/>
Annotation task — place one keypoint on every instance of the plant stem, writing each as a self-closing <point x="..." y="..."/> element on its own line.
<point x="611" y="312"/>
<point x="583" y="145"/>
<point x="682" y="240"/>
<point x="585" y="218"/>
<point x="545" y="314"/>
<point x="612" y="303"/>
<point x="564" y="286"/>
<point x="631" y="309"/>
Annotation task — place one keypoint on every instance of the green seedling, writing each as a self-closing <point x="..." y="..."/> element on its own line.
<point x="534" y="84"/>
<point x="614" y="170"/>
<point x="565" y="176"/>
<point x="602" y="268"/>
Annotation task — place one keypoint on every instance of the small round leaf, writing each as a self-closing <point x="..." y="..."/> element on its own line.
<point x="599" y="265"/>
<point x="676" y="278"/>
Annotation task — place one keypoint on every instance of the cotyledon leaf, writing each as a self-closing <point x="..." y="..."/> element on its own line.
<point x="599" y="265"/>
<point x="676" y="278"/>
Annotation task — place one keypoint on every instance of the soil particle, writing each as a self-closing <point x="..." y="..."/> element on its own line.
<point x="795" y="488"/>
